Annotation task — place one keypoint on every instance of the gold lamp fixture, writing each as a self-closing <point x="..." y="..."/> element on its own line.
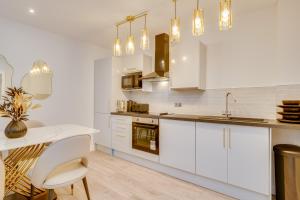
<point x="130" y="42"/>
<point x="225" y="15"/>
<point x="117" y="44"/>
<point x="40" y="67"/>
<point x="175" y="26"/>
<point x="145" y="36"/>
<point x="198" y="21"/>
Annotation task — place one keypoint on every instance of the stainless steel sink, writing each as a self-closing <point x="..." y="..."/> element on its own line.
<point x="248" y="119"/>
<point x="238" y="119"/>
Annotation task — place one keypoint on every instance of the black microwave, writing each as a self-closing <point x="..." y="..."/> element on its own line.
<point x="132" y="81"/>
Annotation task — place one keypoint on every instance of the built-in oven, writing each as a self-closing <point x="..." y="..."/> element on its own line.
<point x="145" y="134"/>
<point x="132" y="81"/>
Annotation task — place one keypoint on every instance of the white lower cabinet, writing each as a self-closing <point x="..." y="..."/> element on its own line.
<point x="102" y="123"/>
<point x="211" y="151"/>
<point x="249" y="158"/>
<point x="237" y="155"/>
<point x="177" y="144"/>
<point x="121" y="133"/>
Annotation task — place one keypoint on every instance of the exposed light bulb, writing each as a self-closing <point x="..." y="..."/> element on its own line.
<point x="130" y="45"/>
<point x="225" y="15"/>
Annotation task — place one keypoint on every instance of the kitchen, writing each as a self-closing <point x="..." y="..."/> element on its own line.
<point x="183" y="99"/>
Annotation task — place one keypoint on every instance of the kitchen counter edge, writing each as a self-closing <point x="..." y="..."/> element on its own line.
<point x="197" y="118"/>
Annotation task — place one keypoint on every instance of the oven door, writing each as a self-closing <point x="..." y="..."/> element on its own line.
<point x="145" y="137"/>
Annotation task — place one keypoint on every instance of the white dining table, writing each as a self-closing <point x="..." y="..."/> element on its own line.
<point x="45" y="134"/>
<point x="23" y="152"/>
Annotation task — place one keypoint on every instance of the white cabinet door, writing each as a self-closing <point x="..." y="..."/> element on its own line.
<point x="211" y="151"/>
<point x="248" y="158"/>
<point x="103" y="85"/>
<point x="121" y="133"/>
<point x="177" y="144"/>
<point x="102" y="122"/>
<point x="133" y="63"/>
<point x="188" y="63"/>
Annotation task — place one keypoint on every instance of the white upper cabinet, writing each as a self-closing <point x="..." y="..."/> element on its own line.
<point x="211" y="151"/>
<point x="188" y="65"/>
<point x="249" y="158"/>
<point x="138" y="62"/>
<point x="177" y="144"/>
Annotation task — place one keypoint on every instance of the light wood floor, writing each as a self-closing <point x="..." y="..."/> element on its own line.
<point x="111" y="178"/>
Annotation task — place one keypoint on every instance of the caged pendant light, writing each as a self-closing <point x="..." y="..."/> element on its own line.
<point x="175" y="26"/>
<point x="130" y="42"/>
<point x="225" y="15"/>
<point x="145" y="36"/>
<point x="117" y="45"/>
<point x="198" y="21"/>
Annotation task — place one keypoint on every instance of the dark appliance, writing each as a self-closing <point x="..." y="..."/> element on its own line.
<point x="145" y="134"/>
<point x="132" y="81"/>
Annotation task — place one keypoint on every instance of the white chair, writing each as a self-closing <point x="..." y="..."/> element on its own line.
<point x="62" y="164"/>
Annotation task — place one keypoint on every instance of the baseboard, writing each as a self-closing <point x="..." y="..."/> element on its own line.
<point x="220" y="187"/>
<point x="104" y="149"/>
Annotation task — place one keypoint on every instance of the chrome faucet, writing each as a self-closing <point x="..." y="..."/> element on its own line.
<point x="227" y="112"/>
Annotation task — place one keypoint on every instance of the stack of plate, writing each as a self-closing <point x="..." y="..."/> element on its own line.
<point x="290" y="111"/>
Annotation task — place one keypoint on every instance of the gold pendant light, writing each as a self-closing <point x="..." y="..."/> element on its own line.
<point x="175" y="27"/>
<point x="225" y="15"/>
<point x="145" y="36"/>
<point x="117" y="45"/>
<point x="198" y="21"/>
<point x="130" y="42"/>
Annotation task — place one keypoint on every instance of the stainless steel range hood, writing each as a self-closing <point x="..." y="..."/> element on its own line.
<point x="161" y="59"/>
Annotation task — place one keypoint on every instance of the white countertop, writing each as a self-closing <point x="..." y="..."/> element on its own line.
<point x="44" y="135"/>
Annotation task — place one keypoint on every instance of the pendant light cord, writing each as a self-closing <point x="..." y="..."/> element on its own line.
<point x="197" y="4"/>
<point x="175" y="9"/>
<point x="117" y="31"/>
<point x="130" y="28"/>
<point x="145" y="24"/>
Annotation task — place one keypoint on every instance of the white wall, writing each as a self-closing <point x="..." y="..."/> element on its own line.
<point x="72" y="62"/>
<point x="246" y="55"/>
<point x="288" y="41"/>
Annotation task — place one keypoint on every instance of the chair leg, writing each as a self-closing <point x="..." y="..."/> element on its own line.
<point x="72" y="189"/>
<point x="86" y="188"/>
<point x="31" y="192"/>
<point x="50" y="194"/>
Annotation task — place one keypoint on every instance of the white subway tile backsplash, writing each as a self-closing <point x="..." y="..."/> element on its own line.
<point x="258" y="102"/>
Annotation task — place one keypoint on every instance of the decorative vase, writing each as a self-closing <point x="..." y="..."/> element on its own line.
<point x="15" y="129"/>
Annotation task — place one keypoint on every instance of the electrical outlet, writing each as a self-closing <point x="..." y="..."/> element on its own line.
<point x="178" y="104"/>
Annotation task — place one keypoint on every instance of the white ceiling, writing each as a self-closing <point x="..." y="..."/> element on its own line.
<point x="93" y="20"/>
